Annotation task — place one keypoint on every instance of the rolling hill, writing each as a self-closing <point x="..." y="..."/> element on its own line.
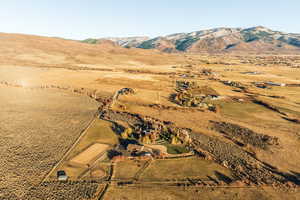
<point x="30" y="50"/>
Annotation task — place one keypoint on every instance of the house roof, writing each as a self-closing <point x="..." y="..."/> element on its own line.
<point x="132" y="147"/>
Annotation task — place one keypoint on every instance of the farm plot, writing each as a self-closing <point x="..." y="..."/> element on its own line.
<point x="89" y="152"/>
<point x="100" y="131"/>
<point x="183" y="168"/>
<point x="128" y="169"/>
<point x="88" y="156"/>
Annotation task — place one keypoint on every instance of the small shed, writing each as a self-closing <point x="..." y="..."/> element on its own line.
<point x="62" y="176"/>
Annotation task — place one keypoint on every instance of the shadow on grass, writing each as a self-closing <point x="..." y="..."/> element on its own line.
<point x="293" y="176"/>
<point x="223" y="177"/>
<point x="117" y="128"/>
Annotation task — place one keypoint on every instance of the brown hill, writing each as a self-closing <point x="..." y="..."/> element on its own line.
<point x="213" y="44"/>
<point x="165" y="46"/>
<point x="19" y="49"/>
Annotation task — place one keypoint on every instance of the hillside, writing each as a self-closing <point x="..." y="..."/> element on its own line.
<point x="128" y="41"/>
<point x="256" y="39"/>
<point x="29" y="50"/>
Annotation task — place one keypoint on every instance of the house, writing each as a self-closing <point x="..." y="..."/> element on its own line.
<point x="134" y="147"/>
<point x="145" y="153"/>
<point x="119" y="158"/>
<point x="62" y="176"/>
<point x="251" y="73"/>
<point x="260" y="85"/>
<point x="276" y="84"/>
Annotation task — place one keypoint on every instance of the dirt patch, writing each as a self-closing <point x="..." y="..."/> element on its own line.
<point x="89" y="155"/>
<point x="162" y="148"/>
<point x="98" y="173"/>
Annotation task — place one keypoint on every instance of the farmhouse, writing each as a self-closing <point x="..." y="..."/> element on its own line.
<point x="134" y="147"/>
<point x="133" y="151"/>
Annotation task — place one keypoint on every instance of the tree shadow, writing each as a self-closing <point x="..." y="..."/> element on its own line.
<point x="297" y="174"/>
<point x="112" y="153"/>
<point x="117" y="128"/>
<point x="223" y="177"/>
<point x="172" y="98"/>
<point x="126" y="142"/>
<point x="293" y="176"/>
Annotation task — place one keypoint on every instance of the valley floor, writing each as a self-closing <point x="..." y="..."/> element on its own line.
<point x="44" y="110"/>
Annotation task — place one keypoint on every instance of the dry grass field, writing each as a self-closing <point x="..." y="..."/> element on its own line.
<point x="196" y="194"/>
<point x="127" y="170"/>
<point x="182" y="168"/>
<point x="44" y="89"/>
<point x="37" y="128"/>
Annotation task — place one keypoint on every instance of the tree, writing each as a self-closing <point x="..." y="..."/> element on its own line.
<point x="126" y="133"/>
<point x="146" y="139"/>
<point x="175" y="140"/>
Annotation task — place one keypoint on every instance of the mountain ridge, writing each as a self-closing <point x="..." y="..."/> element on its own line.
<point x="223" y="39"/>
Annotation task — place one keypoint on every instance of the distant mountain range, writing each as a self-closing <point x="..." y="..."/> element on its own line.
<point x="256" y="39"/>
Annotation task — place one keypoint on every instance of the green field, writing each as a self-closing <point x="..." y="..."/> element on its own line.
<point x="176" y="149"/>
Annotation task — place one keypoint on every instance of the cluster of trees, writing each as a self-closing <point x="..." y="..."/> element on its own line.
<point x="170" y="136"/>
<point x="128" y="133"/>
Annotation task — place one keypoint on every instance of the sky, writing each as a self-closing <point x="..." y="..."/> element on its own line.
<point x="81" y="19"/>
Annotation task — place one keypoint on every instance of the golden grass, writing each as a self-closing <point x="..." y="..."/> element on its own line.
<point x="127" y="169"/>
<point x="72" y="172"/>
<point x="163" y="193"/>
<point x="99" y="132"/>
<point x="37" y="128"/>
<point x="191" y="167"/>
<point x="240" y="110"/>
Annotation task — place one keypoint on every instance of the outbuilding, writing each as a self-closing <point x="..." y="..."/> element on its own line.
<point x="62" y="176"/>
